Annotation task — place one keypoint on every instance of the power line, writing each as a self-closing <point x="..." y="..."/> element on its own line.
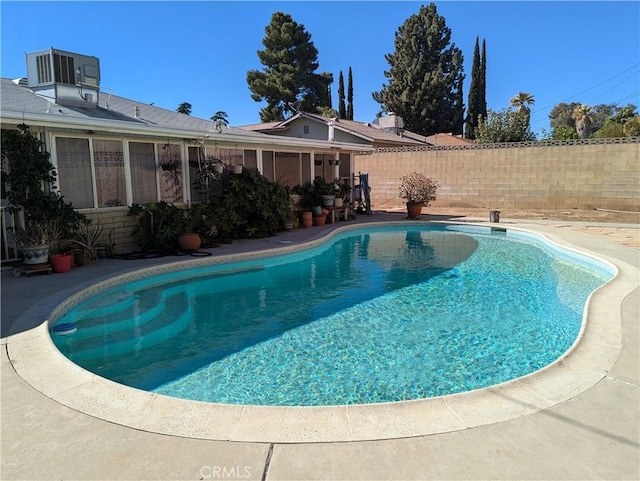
<point x="615" y="86"/>
<point x="587" y="90"/>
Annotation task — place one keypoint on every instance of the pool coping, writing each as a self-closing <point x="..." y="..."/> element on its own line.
<point x="40" y="364"/>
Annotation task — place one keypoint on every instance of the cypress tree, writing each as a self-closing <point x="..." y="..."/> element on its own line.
<point x="342" y="111"/>
<point x="350" y="96"/>
<point x="424" y="75"/>
<point x="482" y="91"/>
<point x="474" y="94"/>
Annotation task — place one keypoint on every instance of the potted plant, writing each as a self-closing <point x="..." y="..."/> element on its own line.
<point x="34" y="240"/>
<point x="309" y="196"/>
<point x="29" y="178"/>
<point x="343" y="191"/>
<point x="189" y="239"/>
<point x="419" y="191"/>
<point x="86" y="239"/>
<point x="325" y="189"/>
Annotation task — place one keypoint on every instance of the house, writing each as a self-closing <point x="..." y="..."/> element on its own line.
<point x="382" y="132"/>
<point x="110" y="151"/>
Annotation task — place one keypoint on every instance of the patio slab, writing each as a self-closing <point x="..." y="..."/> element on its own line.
<point x="592" y="434"/>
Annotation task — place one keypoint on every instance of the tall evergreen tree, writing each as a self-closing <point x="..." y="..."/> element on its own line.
<point x="473" y="101"/>
<point x="350" y="96"/>
<point x="291" y="60"/>
<point x="342" y="109"/>
<point x="184" y="108"/>
<point x="482" y="90"/>
<point x="424" y="75"/>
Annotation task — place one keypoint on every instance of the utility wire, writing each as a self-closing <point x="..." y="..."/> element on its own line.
<point x="587" y="90"/>
<point x="615" y="86"/>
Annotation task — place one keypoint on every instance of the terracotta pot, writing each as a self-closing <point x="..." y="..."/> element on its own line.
<point x="320" y="219"/>
<point x="237" y="169"/>
<point x="307" y="219"/>
<point x="337" y="202"/>
<point x="414" y="209"/>
<point x="61" y="262"/>
<point x="189" y="242"/>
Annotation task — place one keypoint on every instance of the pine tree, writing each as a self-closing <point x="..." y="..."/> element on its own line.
<point x="184" y="108"/>
<point x="291" y="60"/>
<point x="342" y="110"/>
<point x="424" y="76"/>
<point x="350" y="96"/>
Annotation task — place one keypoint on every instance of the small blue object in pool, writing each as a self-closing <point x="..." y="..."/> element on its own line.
<point x="65" y="328"/>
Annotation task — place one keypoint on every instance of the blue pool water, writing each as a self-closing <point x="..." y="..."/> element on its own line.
<point x="378" y="315"/>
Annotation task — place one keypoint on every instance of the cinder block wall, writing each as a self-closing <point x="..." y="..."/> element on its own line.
<point x="603" y="173"/>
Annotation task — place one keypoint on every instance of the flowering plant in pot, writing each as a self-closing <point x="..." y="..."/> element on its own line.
<point x="418" y="190"/>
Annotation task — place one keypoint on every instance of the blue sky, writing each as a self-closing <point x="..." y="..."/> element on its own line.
<point x="199" y="52"/>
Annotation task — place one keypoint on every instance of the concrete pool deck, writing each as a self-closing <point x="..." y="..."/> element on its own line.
<point x="592" y="433"/>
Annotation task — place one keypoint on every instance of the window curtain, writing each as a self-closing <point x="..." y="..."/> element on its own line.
<point x="196" y="160"/>
<point x="170" y="162"/>
<point x="143" y="172"/>
<point x="74" y="171"/>
<point x="109" y="168"/>
<point x="287" y="168"/>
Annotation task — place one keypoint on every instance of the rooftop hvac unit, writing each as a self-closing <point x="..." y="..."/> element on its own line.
<point x="68" y="78"/>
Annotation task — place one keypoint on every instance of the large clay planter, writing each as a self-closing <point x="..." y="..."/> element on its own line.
<point x="61" y="262"/>
<point x="307" y="219"/>
<point x="414" y="209"/>
<point x="320" y="219"/>
<point x="189" y="242"/>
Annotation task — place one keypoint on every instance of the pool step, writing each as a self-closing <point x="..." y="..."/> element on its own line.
<point x="136" y="336"/>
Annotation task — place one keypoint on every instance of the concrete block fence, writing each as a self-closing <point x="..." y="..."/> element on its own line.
<point x="582" y="174"/>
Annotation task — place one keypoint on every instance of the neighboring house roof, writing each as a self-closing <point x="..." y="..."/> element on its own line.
<point x="440" y="139"/>
<point x="366" y="131"/>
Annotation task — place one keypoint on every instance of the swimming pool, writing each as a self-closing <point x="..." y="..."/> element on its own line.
<point x="376" y="315"/>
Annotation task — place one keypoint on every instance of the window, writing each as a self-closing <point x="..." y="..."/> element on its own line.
<point x="170" y="162"/>
<point x="108" y="161"/>
<point x="305" y="128"/>
<point x="196" y="160"/>
<point x="74" y="171"/>
<point x="142" y="160"/>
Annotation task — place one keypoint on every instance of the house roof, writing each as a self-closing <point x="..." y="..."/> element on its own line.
<point x="363" y="130"/>
<point x="21" y="103"/>
<point x="440" y="139"/>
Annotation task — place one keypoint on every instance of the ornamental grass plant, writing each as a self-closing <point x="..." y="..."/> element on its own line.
<point x="418" y="189"/>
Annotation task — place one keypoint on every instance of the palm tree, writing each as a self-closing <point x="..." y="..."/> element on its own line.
<point x="522" y="101"/>
<point x="585" y="117"/>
